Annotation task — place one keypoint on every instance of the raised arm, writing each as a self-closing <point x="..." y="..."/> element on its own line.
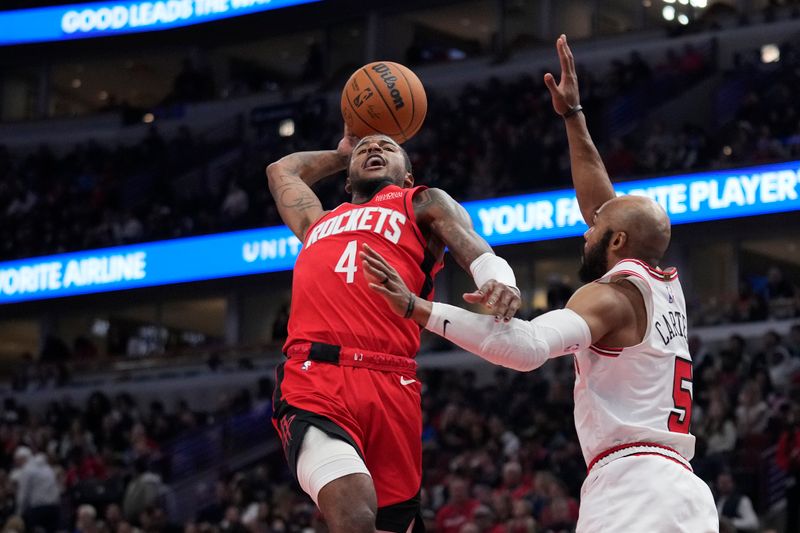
<point x="591" y="314"/>
<point x="290" y="179"/>
<point x="592" y="184"/>
<point x="449" y="222"/>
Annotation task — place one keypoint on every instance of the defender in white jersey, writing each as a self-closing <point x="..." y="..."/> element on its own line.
<point x="627" y="329"/>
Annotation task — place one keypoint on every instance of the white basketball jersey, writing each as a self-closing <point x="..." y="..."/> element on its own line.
<point x="638" y="400"/>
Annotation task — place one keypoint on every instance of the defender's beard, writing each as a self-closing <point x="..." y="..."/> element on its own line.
<point x="594" y="263"/>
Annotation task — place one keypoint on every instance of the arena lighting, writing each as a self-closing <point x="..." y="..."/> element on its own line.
<point x="668" y="13"/>
<point x="101" y="19"/>
<point x="706" y="196"/>
<point x="770" y="53"/>
<point x="286" y="127"/>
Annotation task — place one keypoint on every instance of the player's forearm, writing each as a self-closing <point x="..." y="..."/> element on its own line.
<point x="518" y="344"/>
<point x="310" y="167"/>
<point x="496" y="342"/>
<point x="589" y="176"/>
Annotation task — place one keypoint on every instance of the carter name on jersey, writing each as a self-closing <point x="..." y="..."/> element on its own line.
<point x="671" y="325"/>
<point x="381" y="220"/>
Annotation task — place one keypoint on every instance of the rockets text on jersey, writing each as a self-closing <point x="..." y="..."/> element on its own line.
<point x="381" y="220"/>
<point x="331" y="300"/>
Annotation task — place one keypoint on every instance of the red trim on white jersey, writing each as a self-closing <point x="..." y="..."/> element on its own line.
<point x="638" y="448"/>
<point x="628" y="273"/>
<point x="606" y="352"/>
<point x="656" y="273"/>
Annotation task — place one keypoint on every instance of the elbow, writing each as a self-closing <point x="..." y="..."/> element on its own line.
<point x="514" y="357"/>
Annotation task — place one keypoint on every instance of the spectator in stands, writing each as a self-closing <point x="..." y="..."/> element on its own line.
<point x="214" y="512"/>
<point x="513" y="482"/>
<point x="38" y="497"/>
<point x="128" y="229"/>
<point x="145" y="491"/>
<point x="484" y="521"/>
<point x="794" y="341"/>
<point x="788" y="459"/>
<point x="235" y="204"/>
<point x="752" y="411"/>
<point x="734" y="508"/>
<point x="719" y="434"/>
<point x="7" y="498"/>
<point x="779" y="363"/>
<point x="749" y="306"/>
<point x="86" y="521"/>
<point x="113" y="517"/>
<point x="521" y="520"/>
<point x="459" y="509"/>
<point x="779" y="293"/>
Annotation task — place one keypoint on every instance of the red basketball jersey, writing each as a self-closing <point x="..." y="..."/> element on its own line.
<point x="331" y="300"/>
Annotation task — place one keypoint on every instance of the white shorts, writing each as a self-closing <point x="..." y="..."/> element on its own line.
<point x="646" y="494"/>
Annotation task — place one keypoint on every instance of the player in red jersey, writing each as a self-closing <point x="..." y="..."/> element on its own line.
<point x="347" y="399"/>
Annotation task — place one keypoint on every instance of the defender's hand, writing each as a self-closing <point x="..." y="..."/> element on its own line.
<point x="502" y="300"/>
<point x="348" y="142"/>
<point x="565" y="94"/>
<point x="385" y="280"/>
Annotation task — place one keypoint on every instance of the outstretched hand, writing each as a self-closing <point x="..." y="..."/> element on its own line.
<point x="565" y="94"/>
<point x="347" y="144"/>
<point x="385" y="280"/>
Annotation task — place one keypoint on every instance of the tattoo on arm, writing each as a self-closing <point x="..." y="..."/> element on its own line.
<point x="297" y="204"/>
<point x="450" y="222"/>
<point x="296" y="196"/>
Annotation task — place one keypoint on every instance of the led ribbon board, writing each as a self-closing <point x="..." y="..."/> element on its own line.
<point x="516" y="219"/>
<point x="101" y="19"/>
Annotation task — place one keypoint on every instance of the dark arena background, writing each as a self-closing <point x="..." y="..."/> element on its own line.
<point x="145" y="276"/>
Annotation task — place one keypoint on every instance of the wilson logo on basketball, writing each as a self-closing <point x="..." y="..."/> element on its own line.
<point x="389" y="79"/>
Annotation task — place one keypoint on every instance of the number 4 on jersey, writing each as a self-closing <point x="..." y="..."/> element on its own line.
<point x="681" y="416"/>
<point x="347" y="262"/>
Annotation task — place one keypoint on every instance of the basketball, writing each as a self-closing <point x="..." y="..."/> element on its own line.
<point x="384" y="97"/>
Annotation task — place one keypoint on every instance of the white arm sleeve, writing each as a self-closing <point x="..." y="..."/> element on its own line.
<point x="489" y="266"/>
<point x="517" y="344"/>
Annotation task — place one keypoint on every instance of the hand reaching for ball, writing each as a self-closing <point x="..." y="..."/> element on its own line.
<point x="347" y="144"/>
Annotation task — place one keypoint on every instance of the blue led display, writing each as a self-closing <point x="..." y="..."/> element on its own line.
<point x="100" y="19"/>
<point x="531" y="217"/>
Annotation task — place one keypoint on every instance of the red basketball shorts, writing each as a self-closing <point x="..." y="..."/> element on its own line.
<point x="370" y="400"/>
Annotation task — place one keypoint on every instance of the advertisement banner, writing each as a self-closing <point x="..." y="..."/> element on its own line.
<point x="102" y="19"/>
<point x="527" y="218"/>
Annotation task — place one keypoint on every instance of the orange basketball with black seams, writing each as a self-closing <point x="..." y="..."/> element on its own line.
<point x="384" y="97"/>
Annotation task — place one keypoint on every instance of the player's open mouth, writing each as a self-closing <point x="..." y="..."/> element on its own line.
<point x="374" y="161"/>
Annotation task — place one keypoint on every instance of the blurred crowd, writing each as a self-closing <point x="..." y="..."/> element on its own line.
<point x="494" y="138"/>
<point x="104" y="466"/>
<point x="110" y="465"/>
<point x="96" y="196"/>
<point x="768" y="296"/>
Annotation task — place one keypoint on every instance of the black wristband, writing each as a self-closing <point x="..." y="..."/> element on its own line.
<point x="573" y="110"/>
<point x="410" y="308"/>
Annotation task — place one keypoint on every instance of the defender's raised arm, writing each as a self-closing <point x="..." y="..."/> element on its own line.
<point x="592" y="184"/>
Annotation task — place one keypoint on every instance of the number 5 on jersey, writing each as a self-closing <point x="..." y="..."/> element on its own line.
<point x="681" y="416"/>
<point x="347" y="262"/>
